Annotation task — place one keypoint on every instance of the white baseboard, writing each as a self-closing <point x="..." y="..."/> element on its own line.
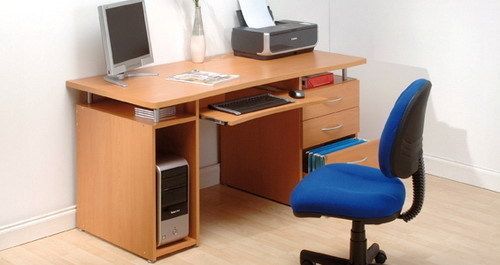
<point x="37" y="227"/>
<point x="209" y="176"/>
<point x="471" y="175"/>
<point x="55" y="222"/>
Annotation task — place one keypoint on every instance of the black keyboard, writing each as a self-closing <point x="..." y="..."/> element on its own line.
<point x="250" y="104"/>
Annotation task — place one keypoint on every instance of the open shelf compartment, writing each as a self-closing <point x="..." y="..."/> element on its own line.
<point x="184" y="112"/>
<point x="182" y="140"/>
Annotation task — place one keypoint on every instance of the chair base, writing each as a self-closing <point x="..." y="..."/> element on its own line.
<point x="359" y="254"/>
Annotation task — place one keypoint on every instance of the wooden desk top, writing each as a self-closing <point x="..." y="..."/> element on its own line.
<point x="157" y="92"/>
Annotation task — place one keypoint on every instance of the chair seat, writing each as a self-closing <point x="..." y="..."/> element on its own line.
<point x="348" y="191"/>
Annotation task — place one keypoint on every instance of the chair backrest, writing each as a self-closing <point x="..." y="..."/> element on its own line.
<point x="401" y="141"/>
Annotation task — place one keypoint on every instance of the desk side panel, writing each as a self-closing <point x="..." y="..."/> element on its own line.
<point x="264" y="156"/>
<point x="116" y="180"/>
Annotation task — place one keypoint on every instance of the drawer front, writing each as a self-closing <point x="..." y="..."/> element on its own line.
<point x="363" y="154"/>
<point x="330" y="127"/>
<point x="339" y="97"/>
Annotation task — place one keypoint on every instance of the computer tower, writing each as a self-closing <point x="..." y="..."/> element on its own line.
<point x="172" y="174"/>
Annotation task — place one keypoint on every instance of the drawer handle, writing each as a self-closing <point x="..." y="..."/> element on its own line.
<point x="358" y="161"/>
<point x="332" y="128"/>
<point x="334" y="100"/>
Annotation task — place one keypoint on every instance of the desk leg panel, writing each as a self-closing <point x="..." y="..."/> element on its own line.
<point x="116" y="180"/>
<point x="263" y="156"/>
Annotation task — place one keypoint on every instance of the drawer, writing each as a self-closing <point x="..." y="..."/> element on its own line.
<point x="339" y="97"/>
<point x="363" y="154"/>
<point x="330" y="127"/>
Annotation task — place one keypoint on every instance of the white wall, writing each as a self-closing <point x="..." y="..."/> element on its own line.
<point x="318" y="13"/>
<point x="45" y="43"/>
<point x="454" y="44"/>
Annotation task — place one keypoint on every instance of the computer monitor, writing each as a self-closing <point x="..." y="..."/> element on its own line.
<point x="125" y="38"/>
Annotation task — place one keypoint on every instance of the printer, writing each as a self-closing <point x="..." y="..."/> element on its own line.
<point x="286" y="38"/>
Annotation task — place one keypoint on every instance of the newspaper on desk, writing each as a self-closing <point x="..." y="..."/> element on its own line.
<point x="202" y="77"/>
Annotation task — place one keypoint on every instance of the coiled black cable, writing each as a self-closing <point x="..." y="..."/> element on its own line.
<point x="418" y="180"/>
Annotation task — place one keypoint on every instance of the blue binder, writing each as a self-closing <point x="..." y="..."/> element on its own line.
<point x="316" y="157"/>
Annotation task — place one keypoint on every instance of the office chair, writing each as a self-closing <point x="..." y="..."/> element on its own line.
<point x="368" y="195"/>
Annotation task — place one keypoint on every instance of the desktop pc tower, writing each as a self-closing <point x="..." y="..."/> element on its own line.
<point x="172" y="174"/>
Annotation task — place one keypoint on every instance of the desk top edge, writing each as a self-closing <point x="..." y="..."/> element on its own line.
<point x="149" y="93"/>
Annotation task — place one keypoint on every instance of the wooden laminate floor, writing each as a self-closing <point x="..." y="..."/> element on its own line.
<point x="460" y="224"/>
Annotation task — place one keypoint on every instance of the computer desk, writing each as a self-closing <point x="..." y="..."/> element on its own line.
<point x="260" y="152"/>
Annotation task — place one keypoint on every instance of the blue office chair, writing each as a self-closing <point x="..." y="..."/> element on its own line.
<point x="368" y="195"/>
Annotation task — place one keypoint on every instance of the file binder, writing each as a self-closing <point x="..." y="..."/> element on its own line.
<point x="316" y="157"/>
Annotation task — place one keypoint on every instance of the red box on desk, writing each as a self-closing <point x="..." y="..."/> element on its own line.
<point x="318" y="80"/>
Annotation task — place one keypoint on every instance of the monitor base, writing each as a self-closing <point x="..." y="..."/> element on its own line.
<point x="118" y="79"/>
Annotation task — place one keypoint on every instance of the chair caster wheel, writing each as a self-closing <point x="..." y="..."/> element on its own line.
<point x="306" y="262"/>
<point x="381" y="257"/>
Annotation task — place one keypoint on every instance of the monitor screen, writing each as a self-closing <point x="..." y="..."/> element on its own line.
<point x="127" y="32"/>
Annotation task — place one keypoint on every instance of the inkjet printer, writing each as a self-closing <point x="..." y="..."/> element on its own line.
<point x="286" y="38"/>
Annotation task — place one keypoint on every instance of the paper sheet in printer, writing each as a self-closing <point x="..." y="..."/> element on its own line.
<point x="256" y="13"/>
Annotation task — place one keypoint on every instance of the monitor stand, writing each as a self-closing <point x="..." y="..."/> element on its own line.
<point x="118" y="79"/>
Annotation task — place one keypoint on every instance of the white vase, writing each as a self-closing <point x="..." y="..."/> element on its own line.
<point x="198" y="47"/>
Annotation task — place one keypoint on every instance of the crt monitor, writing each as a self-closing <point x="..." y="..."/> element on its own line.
<point x="125" y="36"/>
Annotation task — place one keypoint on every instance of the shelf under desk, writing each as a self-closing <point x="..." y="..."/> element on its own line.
<point x="224" y="118"/>
<point x="126" y="111"/>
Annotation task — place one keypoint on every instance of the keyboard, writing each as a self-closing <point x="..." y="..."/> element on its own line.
<point x="250" y="104"/>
